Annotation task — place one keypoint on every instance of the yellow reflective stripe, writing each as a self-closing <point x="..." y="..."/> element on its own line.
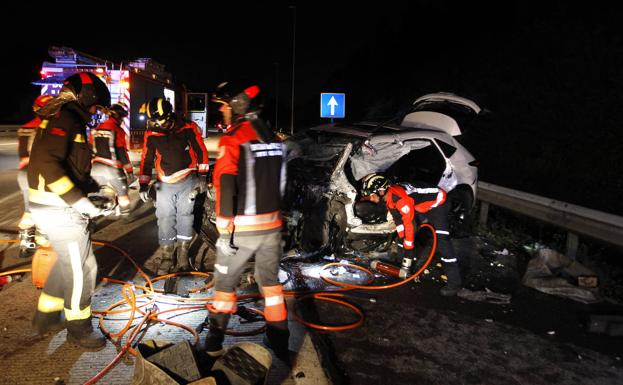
<point x="79" y="138"/>
<point x="61" y="185"/>
<point x="41" y="185"/>
<point x="45" y="198"/>
<point x="44" y="124"/>
<point x="49" y="304"/>
<point x="77" y="275"/>
<point x="77" y="314"/>
<point x="160" y="110"/>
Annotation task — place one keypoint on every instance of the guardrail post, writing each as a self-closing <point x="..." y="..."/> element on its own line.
<point x="572" y="245"/>
<point x="484" y="213"/>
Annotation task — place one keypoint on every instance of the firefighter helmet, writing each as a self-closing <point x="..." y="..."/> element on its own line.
<point x="41" y="101"/>
<point x="89" y="89"/>
<point x="118" y="110"/>
<point x="159" y="110"/>
<point x="241" y="98"/>
<point x="372" y="183"/>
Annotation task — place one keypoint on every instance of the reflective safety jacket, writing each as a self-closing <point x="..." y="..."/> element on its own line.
<point x="405" y="200"/>
<point x="249" y="178"/>
<point x="108" y="141"/>
<point x="60" y="161"/>
<point x="25" y="137"/>
<point x="174" y="154"/>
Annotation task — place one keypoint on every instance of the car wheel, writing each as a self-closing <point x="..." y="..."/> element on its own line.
<point x="324" y="228"/>
<point x="461" y="203"/>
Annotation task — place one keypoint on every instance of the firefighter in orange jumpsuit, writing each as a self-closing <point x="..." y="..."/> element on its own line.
<point x="410" y="204"/>
<point x="249" y="178"/>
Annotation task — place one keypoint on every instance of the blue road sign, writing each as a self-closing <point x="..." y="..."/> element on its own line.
<point x="332" y="105"/>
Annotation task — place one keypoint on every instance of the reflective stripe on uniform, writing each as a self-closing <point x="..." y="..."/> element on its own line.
<point x="45" y="198"/>
<point x="400" y="228"/>
<point x="61" y="186"/>
<point x="49" y="304"/>
<point x="223" y="302"/>
<point x="441" y="197"/>
<point x="78" y="278"/>
<point x="448" y="260"/>
<point x="73" y="315"/>
<point x="274" y="303"/>
<point x="442" y="232"/>
<point x="176" y="176"/>
<point x="408" y="243"/>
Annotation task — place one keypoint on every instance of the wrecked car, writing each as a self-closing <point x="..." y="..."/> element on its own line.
<point x="326" y="164"/>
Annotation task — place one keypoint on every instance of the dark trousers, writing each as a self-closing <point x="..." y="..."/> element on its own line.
<point x="71" y="281"/>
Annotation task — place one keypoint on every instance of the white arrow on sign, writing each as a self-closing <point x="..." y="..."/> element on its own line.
<point x="332" y="103"/>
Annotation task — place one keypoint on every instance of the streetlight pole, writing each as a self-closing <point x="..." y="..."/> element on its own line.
<point x="293" y="7"/>
<point x="277" y="96"/>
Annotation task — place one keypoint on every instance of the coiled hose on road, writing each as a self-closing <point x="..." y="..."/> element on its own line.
<point x="148" y="311"/>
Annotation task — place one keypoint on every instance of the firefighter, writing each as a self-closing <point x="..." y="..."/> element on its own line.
<point x="111" y="164"/>
<point x="176" y="149"/>
<point x="249" y="178"/>
<point x="411" y="205"/>
<point x="25" y="137"/>
<point x="59" y="181"/>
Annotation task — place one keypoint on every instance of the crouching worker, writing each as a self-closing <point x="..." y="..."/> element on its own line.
<point x="111" y="164"/>
<point x="410" y="205"/>
<point x="59" y="181"/>
<point x="175" y="149"/>
<point x="249" y="177"/>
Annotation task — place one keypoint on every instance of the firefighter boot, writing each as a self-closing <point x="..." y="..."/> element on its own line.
<point x="43" y="323"/>
<point x="81" y="332"/>
<point x="153" y="262"/>
<point x="454" y="283"/>
<point x="214" y="340"/>
<point x="167" y="259"/>
<point x="277" y="338"/>
<point x="27" y="244"/>
<point x="182" y="256"/>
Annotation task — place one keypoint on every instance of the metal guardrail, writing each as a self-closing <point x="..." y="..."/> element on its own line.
<point x="9" y="129"/>
<point x="575" y="219"/>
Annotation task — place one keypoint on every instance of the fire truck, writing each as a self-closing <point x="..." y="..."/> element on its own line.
<point x="133" y="83"/>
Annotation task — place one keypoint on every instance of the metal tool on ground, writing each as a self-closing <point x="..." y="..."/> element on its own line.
<point x="386" y="268"/>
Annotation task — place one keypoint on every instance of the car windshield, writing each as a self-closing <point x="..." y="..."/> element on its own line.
<point x="319" y="151"/>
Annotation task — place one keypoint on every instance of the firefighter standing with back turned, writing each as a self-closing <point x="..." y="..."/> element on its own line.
<point x="59" y="181"/>
<point x="249" y="178"/>
<point x="175" y="148"/>
<point x="411" y="204"/>
<point x="25" y="137"/>
<point x="111" y="164"/>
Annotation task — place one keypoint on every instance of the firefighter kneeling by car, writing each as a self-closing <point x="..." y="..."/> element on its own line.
<point x="409" y="205"/>
<point x="175" y="148"/>
<point x="59" y="181"/>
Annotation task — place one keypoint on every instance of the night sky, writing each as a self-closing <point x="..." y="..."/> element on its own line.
<point x="549" y="74"/>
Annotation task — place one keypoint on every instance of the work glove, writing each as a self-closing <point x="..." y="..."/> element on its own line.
<point x="226" y="247"/>
<point x="144" y="193"/>
<point x="85" y="207"/>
